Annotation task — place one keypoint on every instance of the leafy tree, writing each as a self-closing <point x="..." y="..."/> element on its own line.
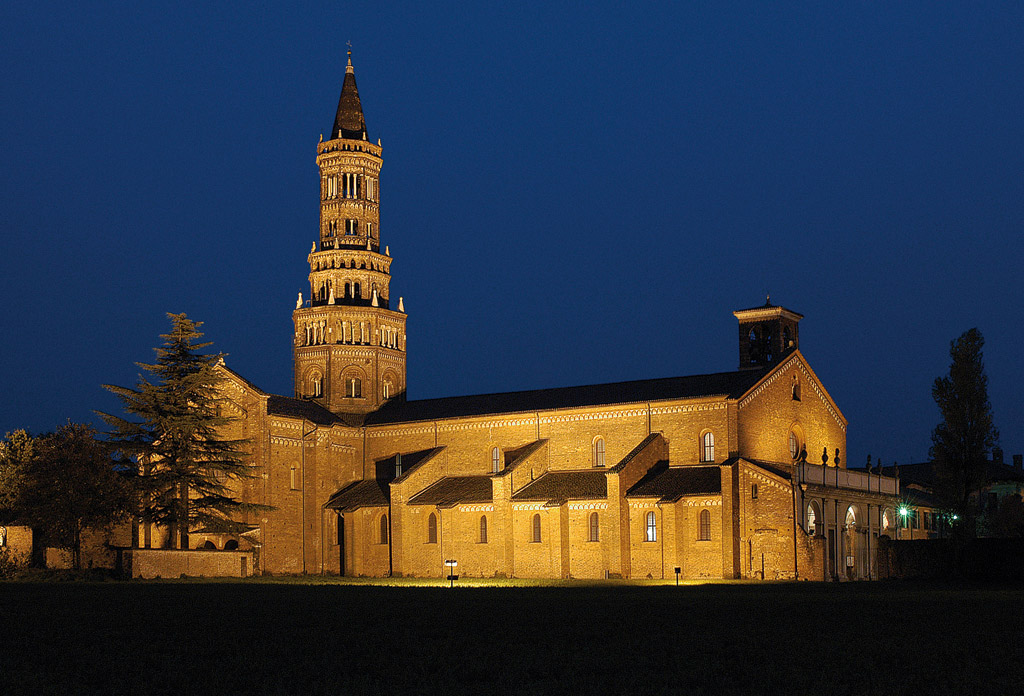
<point x="960" y="443"/>
<point x="15" y="451"/>
<point x="184" y="466"/>
<point x="71" y="483"/>
<point x="1008" y="519"/>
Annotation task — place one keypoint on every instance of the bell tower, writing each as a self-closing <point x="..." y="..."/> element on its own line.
<point x="767" y="334"/>
<point x="349" y="338"/>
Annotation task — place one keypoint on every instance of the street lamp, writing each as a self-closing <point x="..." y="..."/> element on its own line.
<point x="904" y="511"/>
<point x="452" y="577"/>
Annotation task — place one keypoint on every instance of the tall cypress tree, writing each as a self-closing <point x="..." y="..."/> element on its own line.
<point x="961" y="442"/>
<point x="184" y="465"/>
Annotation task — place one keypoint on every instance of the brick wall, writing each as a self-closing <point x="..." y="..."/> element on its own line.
<point x="766" y="417"/>
<point x="173" y="563"/>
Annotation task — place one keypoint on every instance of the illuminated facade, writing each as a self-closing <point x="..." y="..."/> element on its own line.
<point x="710" y="476"/>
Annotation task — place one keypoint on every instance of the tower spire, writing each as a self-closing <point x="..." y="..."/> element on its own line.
<point x="348" y="121"/>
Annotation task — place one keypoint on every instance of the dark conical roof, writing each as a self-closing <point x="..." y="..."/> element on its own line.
<point x="349" y="122"/>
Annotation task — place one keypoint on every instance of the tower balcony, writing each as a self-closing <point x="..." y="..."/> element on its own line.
<point x="348" y="242"/>
<point x="350" y="302"/>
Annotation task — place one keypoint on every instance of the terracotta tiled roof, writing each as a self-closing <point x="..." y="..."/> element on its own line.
<point x="369" y="493"/>
<point x="410" y="462"/>
<point x="514" y="456"/>
<point x="301" y="408"/>
<point x="669" y="484"/>
<point x="555" y="486"/>
<point x="453" y="490"/>
<point x="636" y="450"/>
<point x="722" y="384"/>
<point x="771" y="468"/>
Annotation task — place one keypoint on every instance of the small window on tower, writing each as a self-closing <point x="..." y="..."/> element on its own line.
<point x="351" y="227"/>
<point x="354" y="388"/>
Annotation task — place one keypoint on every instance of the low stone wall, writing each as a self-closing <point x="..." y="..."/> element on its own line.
<point x="173" y="563"/>
<point x="17" y="545"/>
<point x="974" y="559"/>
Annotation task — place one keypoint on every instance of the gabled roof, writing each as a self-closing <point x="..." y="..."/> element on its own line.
<point x="223" y="366"/>
<point x="453" y="490"/>
<point x="730" y="385"/>
<point x="921" y="498"/>
<point x="634" y="452"/>
<point x="557" y="486"/>
<point x="669" y="484"/>
<point x="302" y="408"/>
<point x="410" y="462"/>
<point x="368" y="493"/>
<point x="771" y="468"/>
<point x="514" y="456"/>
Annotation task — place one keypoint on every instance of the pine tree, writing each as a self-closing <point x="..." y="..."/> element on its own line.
<point x="961" y="442"/>
<point x="184" y="466"/>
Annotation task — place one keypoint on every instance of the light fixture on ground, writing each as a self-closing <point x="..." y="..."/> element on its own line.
<point x="452" y="577"/>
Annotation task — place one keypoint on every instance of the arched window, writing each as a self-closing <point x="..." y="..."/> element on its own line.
<point x="432" y="529"/>
<point x="483" y="529"/>
<point x="536" y="529"/>
<point x="3" y="537"/>
<point x="851" y="517"/>
<point x="705" y="526"/>
<point x="295" y="477"/>
<point x="812" y="518"/>
<point x="383" y="529"/>
<point x="886" y="519"/>
<point x="209" y="545"/>
<point x="386" y="388"/>
<point x="230" y="545"/>
<point x="318" y="385"/>
<point x="354" y="388"/>
<point x="707" y="447"/>
<point x="495" y="460"/>
<point x="796" y="388"/>
<point x="599" y="452"/>
<point x="794" y="445"/>
<point x="595" y="527"/>
<point x="651" y="533"/>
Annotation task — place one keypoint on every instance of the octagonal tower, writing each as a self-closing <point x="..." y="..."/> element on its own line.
<point x="349" y="336"/>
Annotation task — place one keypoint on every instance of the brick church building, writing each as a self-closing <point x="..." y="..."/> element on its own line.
<point x="726" y="475"/>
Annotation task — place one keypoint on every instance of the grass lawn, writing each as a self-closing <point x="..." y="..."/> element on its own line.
<point x="272" y="636"/>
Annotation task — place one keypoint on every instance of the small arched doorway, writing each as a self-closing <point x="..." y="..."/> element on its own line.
<point x="853" y="544"/>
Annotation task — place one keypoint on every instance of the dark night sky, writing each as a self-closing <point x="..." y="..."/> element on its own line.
<point x="573" y="193"/>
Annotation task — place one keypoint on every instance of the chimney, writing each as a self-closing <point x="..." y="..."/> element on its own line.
<point x="1017" y="462"/>
<point x="997" y="455"/>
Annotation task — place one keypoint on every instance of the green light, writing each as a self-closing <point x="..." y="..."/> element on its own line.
<point x="904" y="511"/>
<point x="955" y="517"/>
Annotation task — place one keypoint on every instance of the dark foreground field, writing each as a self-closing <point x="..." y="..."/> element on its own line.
<point x="291" y="638"/>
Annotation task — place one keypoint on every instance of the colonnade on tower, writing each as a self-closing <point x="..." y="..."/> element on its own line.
<point x="349" y="335"/>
